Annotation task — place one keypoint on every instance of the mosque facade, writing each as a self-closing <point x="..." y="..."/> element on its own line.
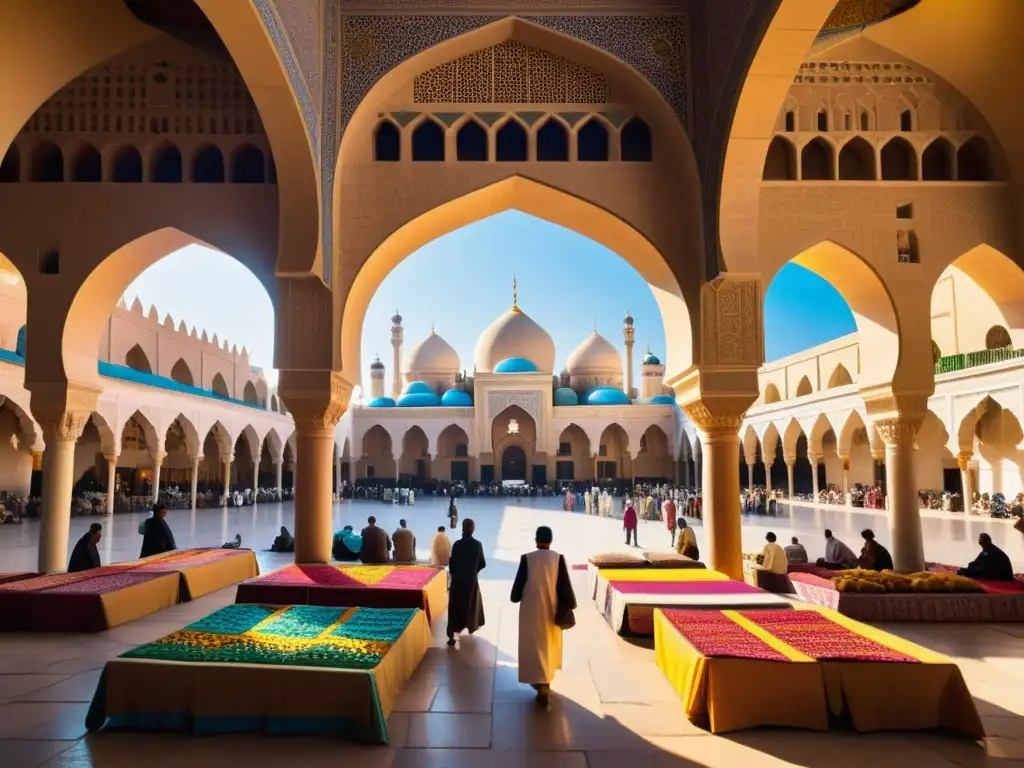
<point x="515" y="417"/>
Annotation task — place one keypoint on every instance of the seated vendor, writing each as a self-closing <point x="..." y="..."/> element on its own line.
<point x="283" y="542"/>
<point x="795" y="552"/>
<point x="346" y="545"/>
<point x="773" y="558"/>
<point x="838" y="556"/>
<point x="992" y="563"/>
<point x="874" y="556"/>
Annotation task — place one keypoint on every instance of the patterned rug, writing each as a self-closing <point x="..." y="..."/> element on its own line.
<point x="714" y="634"/>
<point x="351" y="576"/>
<point x="301" y="635"/>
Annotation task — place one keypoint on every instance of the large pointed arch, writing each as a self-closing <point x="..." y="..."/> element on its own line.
<point x="183" y="428"/>
<point x="440" y="208"/>
<point x="1001" y="279"/>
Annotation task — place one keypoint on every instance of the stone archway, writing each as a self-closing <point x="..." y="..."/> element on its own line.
<point x="513" y="463"/>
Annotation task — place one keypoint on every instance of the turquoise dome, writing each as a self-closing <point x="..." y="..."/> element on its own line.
<point x="651" y="359"/>
<point x="456" y="398"/>
<point x="418" y="388"/>
<point x="606" y="396"/>
<point x="661" y="400"/>
<point x="566" y="396"/>
<point x="515" y="365"/>
<point x="419" y="400"/>
<point x="381" y="402"/>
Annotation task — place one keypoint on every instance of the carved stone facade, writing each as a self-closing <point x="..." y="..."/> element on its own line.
<point x="499" y="401"/>
<point x="731" y="322"/>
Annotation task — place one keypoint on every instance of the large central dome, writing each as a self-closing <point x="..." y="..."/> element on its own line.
<point x="432" y="355"/>
<point x="514" y="335"/>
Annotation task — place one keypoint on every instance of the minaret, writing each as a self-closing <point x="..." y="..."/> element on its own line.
<point x="397" y="335"/>
<point x="629" y="334"/>
<point x="515" y="294"/>
<point x="376" y="379"/>
<point x="652" y="374"/>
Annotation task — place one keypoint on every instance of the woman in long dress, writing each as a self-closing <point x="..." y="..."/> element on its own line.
<point x="544" y="592"/>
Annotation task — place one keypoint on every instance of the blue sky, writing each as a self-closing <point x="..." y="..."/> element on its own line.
<point x="462" y="281"/>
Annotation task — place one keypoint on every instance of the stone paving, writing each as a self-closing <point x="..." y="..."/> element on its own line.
<point x="464" y="707"/>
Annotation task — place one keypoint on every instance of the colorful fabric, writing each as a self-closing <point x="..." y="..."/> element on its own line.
<point x="354" y="576"/>
<point x="815" y="635"/>
<point x="338" y="638"/>
<point x="684" y="588"/>
<point x="715" y="635"/>
<point x="104" y="584"/>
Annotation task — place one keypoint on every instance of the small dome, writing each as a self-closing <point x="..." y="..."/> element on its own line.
<point x="456" y="398"/>
<point x="628" y="319"/>
<point x="606" y="396"/>
<point x="418" y="388"/>
<point x="419" y="400"/>
<point x="661" y="400"/>
<point x="515" y="365"/>
<point x="651" y="359"/>
<point x="381" y="402"/>
<point x="514" y="334"/>
<point x="595" y="355"/>
<point x="396" y="319"/>
<point x="377" y="365"/>
<point x="566" y="396"/>
<point x="432" y="355"/>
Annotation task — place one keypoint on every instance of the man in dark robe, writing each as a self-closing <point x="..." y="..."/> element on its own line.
<point x="376" y="543"/>
<point x="156" y="533"/>
<point x="992" y="563"/>
<point x="85" y="555"/>
<point x="465" y="605"/>
<point x="874" y="556"/>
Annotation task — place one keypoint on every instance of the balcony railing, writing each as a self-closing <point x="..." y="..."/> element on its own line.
<point x="952" y="363"/>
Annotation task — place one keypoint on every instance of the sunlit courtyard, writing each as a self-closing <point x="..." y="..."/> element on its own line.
<point x="612" y="705"/>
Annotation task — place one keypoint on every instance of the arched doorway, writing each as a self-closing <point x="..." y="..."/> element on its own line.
<point x="513" y="464"/>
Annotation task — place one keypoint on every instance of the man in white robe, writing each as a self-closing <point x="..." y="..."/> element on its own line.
<point x="544" y="592"/>
<point x="440" y="548"/>
<point x="587" y="500"/>
<point x="837" y="555"/>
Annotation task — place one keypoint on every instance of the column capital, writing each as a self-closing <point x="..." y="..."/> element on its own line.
<point x="963" y="460"/>
<point x="897" y="417"/>
<point x="195" y="459"/>
<point x="316" y="400"/>
<point x="815" y="458"/>
<point x="718" y="415"/>
<point x="111" y="458"/>
<point x="62" y="410"/>
<point x="159" y="456"/>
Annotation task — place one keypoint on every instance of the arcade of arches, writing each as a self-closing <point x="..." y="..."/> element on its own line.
<point x="874" y="154"/>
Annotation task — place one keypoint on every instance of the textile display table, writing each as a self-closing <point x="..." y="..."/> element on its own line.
<point x="831" y="668"/>
<point x="628" y="604"/>
<point x="7" y="578"/>
<point x="282" y="670"/>
<point x="203" y="570"/>
<point x="370" y="586"/>
<point x="1002" y="602"/>
<point x="87" y="601"/>
<point x="646" y="573"/>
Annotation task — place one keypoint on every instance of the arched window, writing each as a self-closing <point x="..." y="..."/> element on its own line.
<point x="847" y="121"/>
<point x="471" y="142"/>
<point x="552" y="142"/>
<point x="973" y="161"/>
<point x="857" y="161"/>
<point x="219" y="386"/>
<point x="906" y="247"/>
<point x="10" y="168"/>
<point x="822" y="120"/>
<point x="899" y="163"/>
<point x="208" y="166"/>
<point x="771" y="395"/>
<point x="637" y="144"/>
<point x="906" y="120"/>
<point x="182" y="374"/>
<point x="86" y="165"/>
<point x="816" y="160"/>
<point x="165" y="165"/>
<point x="249" y="394"/>
<point x="790" y="122"/>
<point x="592" y="142"/>
<point x="47" y="162"/>
<point x="780" y="162"/>
<point x="938" y="161"/>
<point x="137" y="360"/>
<point x="804" y="387"/>
<point x="510" y="143"/>
<point x="997" y="338"/>
<point x="273" y="402"/>
<point x="127" y="165"/>
<point x="840" y="377"/>
<point x="387" y="143"/>
<point x="248" y="165"/>
<point x="428" y="142"/>
<point x="865" y="120"/>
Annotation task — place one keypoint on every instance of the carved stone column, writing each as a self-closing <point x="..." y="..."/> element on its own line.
<point x="195" y="479"/>
<point x="719" y="425"/>
<point x="963" y="460"/>
<point x="897" y="425"/>
<point x="790" y="463"/>
<point x="279" y="469"/>
<point x="111" y="481"/>
<point x="62" y="414"/>
<point x="814" y="459"/>
<point x="227" y="476"/>
<point x="750" y="477"/>
<point x="158" y="460"/>
<point x="317" y="400"/>
<point x="845" y="459"/>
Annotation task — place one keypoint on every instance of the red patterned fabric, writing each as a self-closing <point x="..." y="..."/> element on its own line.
<point x="715" y="635"/>
<point x="822" y="639"/>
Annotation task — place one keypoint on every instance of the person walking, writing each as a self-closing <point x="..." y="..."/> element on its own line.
<point x="465" y="605"/>
<point x="668" y="511"/>
<point x="546" y="601"/>
<point x="453" y="512"/>
<point x="629" y="522"/>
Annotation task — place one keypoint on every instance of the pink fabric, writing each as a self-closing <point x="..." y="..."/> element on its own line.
<point x="684" y="588"/>
<point x="407" y="578"/>
<point x="813" y="580"/>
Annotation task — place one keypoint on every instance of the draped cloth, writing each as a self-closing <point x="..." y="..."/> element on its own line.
<point x="465" y="604"/>
<point x="544" y="592"/>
